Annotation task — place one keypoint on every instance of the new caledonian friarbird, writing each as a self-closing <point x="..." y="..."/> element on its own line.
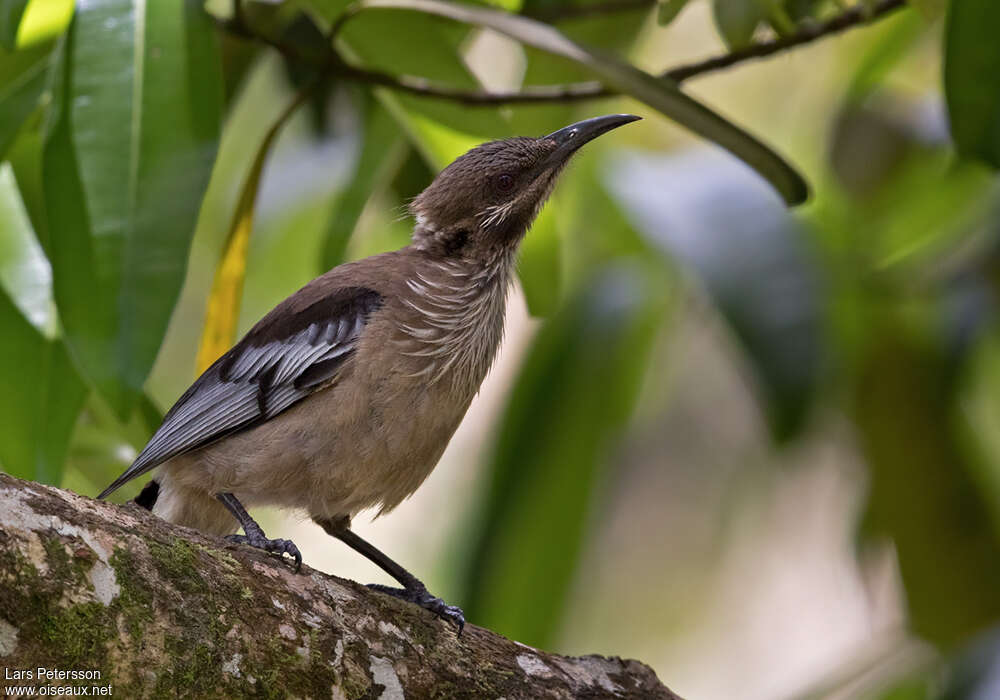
<point x="346" y="394"/>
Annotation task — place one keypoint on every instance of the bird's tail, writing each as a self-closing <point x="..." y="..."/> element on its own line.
<point x="147" y="497"/>
<point x="186" y="506"/>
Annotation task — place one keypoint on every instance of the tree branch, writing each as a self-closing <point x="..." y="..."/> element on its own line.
<point x="159" y="611"/>
<point x="856" y="16"/>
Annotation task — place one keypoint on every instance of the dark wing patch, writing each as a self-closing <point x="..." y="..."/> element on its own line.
<point x="284" y="358"/>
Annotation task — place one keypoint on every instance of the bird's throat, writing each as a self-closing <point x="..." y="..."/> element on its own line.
<point x="455" y="319"/>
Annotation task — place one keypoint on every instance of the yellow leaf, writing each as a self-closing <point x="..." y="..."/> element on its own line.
<point x="223" y="307"/>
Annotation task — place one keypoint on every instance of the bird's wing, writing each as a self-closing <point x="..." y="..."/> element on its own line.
<point x="284" y="358"/>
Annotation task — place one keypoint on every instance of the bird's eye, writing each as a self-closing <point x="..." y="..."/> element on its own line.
<point x="505" y="182"/>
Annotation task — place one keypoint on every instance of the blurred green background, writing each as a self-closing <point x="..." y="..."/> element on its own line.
<point x="755" y="447"/>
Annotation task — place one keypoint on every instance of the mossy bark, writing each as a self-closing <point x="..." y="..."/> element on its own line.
<point x="163" y="611"/>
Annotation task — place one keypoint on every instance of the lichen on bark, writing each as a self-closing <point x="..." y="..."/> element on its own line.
<point x="163" y="611"/>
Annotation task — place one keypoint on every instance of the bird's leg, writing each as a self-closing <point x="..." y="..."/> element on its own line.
<point x="413" y="589"/>
<point x="254" y="535"/>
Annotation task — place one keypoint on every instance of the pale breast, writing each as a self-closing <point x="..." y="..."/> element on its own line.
<point x="452" y="323"/>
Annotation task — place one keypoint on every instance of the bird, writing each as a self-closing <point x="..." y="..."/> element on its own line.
<point x="344" y="396"/>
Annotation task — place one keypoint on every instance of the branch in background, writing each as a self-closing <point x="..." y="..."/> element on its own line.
<point x="160" y="610"/>
<point x="856" y="16"/>
<point x="569" y="92"/>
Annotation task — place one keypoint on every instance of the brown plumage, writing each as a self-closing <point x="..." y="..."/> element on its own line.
<point x="345" y="395"/>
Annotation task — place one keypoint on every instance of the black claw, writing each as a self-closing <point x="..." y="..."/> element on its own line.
<point x="276" y="546"/>
<point x="423" y="598"/>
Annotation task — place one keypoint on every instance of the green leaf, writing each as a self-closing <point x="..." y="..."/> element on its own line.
<point x="42" y="393"/>
<point x="22" y="80"/>
<point x="778" y="17"/>
<point x="11" y="12"/>
<point x="668" y="10"/>
<point x="41" y="399"/>
<point x="737" y="20"/>
<point x="972" y="78"/>
<point x="893" y="38"/>
<point x="127" y="159"/>
<point x="663" y="95"/>
<point x="43" y="21"/>
<point x="552" y="449"/>
<point x="922" y="488"/>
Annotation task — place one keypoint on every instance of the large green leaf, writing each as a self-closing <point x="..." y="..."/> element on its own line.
<point x="663" y="95"/>
<point x="892" y="38"/>
<point x="41" y="399"/>
<point x="126" y="162"/>
<point x="923" y="491"/>
<point x="737" y="20"/>
<point x="22" y="80"/>
<point x="570" y="402"/>
<point x="972" y="78"/>
<point x="41" y="393"/>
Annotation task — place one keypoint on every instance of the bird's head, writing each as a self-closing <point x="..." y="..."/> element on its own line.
<point x="484" y="202"/>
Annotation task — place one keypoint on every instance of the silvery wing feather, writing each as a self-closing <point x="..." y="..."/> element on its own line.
<point x="292" y="352"/>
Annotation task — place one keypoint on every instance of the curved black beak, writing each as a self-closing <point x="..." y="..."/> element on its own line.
<point x="570" y="138"/>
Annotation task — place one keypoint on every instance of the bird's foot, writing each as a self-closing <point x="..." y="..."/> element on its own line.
<point x="277" y="546"/>
<point x="422" y="597"/>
